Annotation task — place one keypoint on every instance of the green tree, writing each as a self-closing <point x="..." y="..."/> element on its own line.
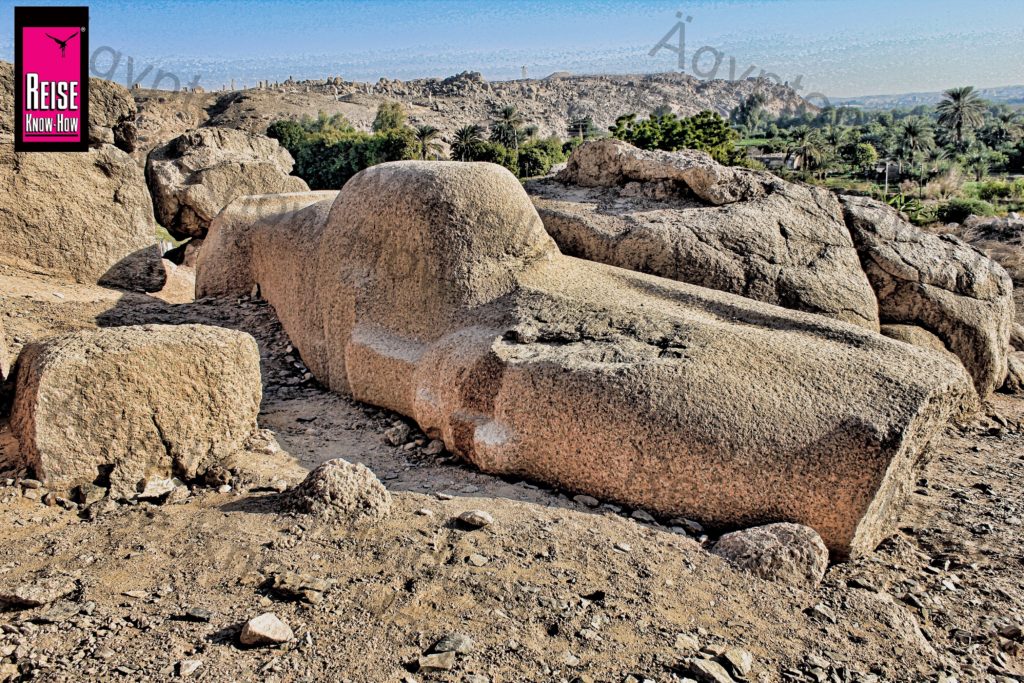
<point x="914" y="137"/>
<point x="390" y="116"/>
<point x="291" y="134"/>
<point x="961" y="109"/>
<point x="865" y="156"/>
<point x="505" y="128"/>
<point x="427" y="139"/>
<point x="466" y="140"/>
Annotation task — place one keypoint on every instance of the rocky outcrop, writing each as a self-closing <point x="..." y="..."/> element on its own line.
<point x="912" y="334"/>
<point x="936" y="282"/>
<point x="338" y="490"/>
<point x="1015" y="374"/>
<point x="111" y="115"/>
<point x="197" y="174"/>
<point x="788" y="553"/>
<point x="122" y="406"/>
<point x="85" y="216"/>
<point x="683" y="216"/>
<point x="610" y="163"/>
<point x="224" y="263"/>
<point x="432" y="289"/>
<point x="1017" y="337"/>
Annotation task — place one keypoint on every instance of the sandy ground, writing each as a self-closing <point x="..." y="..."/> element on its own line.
<point x="552" y="591"/>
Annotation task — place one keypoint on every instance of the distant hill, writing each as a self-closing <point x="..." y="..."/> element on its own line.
<point x="448" y="104"/>
<point x="1010" y="94"/>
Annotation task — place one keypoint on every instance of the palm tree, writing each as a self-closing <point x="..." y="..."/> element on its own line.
<point x="961" y="109"/>
<point x="426" y="136"/>
<point x="466" y="140"/>
<point x="505" y="128"/>
<point x="914" y="137"/>
<point x="806" y="148"/>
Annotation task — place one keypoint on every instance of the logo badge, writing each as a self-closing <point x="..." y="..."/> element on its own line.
<point x="51" y="88"/>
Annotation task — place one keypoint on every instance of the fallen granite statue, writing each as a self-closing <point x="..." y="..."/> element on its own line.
<point x="432" y="289"/>
<point x="683" y="216"/>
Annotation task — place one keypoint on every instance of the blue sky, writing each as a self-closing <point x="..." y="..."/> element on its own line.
<point x="837" y="47"/>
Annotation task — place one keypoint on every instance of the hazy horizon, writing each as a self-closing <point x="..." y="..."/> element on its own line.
<point x="840" y="48"/>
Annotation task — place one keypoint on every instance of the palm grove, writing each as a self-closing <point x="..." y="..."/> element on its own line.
<point x="935" y="163"/>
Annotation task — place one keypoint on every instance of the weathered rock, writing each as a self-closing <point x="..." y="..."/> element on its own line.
<point x="122" y="406"/>
<point x="87" y="216"/>
<point x="458" y="643"/>
<point x="111" y="115"/>
<point x="936" y="282"/>
<point x="180" y="284"/>
<point x="266" y="629"/>
<point x="788" y="553"/>
<point x="610" y="162"/>
<point x="1017" y="337"/>
<point x="912" y="334"/>
<point x="476" y="519"/>
<point x="338" y="489"/>
<point x="1015" y="374"/>
<point x="197" y="174"/>
<point x="432" y="289"/>
<point x="37" y="592"/>
<point x="708" y="671"/>
<point x="5" y="356"/>
<point x="785" y="244"/>
<point x="224" y="265"/>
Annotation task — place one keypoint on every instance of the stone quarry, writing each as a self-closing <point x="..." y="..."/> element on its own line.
<point x="649" y="419"/>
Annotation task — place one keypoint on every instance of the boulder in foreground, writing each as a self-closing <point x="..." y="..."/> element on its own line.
<point x="433" y="290"/>
<point x="121" y="406"/>
<point x="789" y="553"/>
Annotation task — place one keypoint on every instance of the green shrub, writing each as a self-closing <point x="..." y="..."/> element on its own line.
<point x="994" y="189"/>
<point x="957" y="210"/>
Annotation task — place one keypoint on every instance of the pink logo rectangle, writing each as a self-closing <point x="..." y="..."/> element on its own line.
<point x="51" y="93"/>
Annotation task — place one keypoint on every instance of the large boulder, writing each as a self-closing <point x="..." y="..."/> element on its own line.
<point x="224" y="262"/>
<point x="433" y="290"/>
<point x="86" y="216"/>
<point x="683" y="216"/>
<point x="197" y="174"/>
<point x="122" y="406"/>
<point x="610" y="162"/>
<point x="936" y="282"/>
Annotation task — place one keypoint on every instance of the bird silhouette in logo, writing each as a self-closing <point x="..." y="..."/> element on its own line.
<point x="63" y="43"/>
